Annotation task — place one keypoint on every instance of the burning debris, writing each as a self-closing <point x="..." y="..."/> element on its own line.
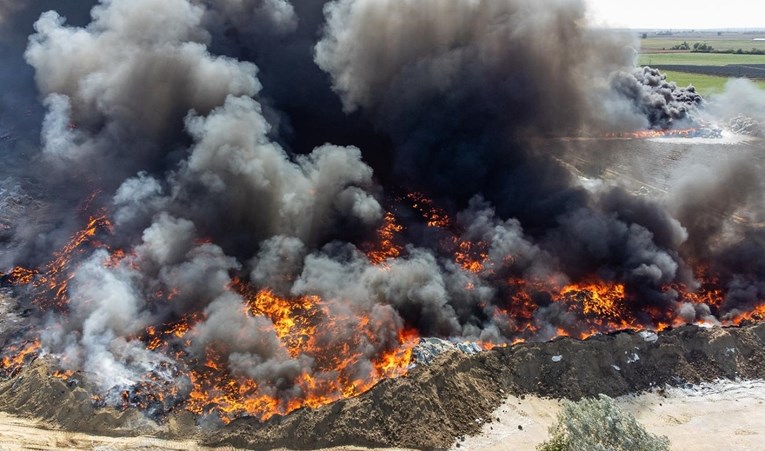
<point x="201" y="248"/>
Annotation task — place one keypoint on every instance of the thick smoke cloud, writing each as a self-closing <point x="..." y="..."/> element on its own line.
<point x="129" y="75"/>
<point x="246" y="147"/>
<point x="235" y="171"/>
<point x="259" y="16"/>
<point x="659" y="101"/>
<point x="459" y="95"/>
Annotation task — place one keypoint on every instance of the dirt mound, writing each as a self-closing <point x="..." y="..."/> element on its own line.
<point x="454" y="396"/>
<point x="34" y="392"/>
<point x="434" y="404"/>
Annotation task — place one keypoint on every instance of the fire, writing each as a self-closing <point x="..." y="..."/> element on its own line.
<point x="51" y="285"/>
<point x="63" y="375"/>
<point x="16" y="357"/>
<point x="338" y="352"/>
<point x="386" y="247"/>
<point x="756" y="314"/>
<point x="22" y="276"/>
<point x="645" y="134"/>
<point x="601" y="307"/>
<point x="292" y="318"/>
<point x="598" y="299"/>
<point x="160" y="337"/>
<point x="434" y="216"/>
<point x="470" y="255"/>
<point x="304" y="325"/>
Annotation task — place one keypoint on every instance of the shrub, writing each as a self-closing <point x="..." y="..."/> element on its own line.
<point x="599" y="425"/>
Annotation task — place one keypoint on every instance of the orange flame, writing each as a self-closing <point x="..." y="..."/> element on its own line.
<point x="18" y="356"/>
<point x="52" y="282"/>
<point x="434" y="216"/>
<point x="756" y="314"/>
<point x="309" y="328"/>
<point x="644" y="134"/>
<point x="386" y="247"/>
<point x="471" y="256"/>
<point x="301" y="324"/>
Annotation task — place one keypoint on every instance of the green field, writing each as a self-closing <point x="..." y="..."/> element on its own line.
<point x="704" y="84"/>
<point x="698" y="59"/>
<point x="719" y="43"/>
<point x="654" y="53"/>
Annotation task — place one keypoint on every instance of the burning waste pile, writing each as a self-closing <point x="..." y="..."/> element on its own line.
<point x="190" y="242"/>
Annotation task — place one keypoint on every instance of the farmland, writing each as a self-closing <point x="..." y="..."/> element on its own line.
<point x="704" y="84"/>
<point x="698" y="59"/>
<point x="708" y="72"/>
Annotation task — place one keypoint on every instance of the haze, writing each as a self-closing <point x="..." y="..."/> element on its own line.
<point x="678" y="14"/>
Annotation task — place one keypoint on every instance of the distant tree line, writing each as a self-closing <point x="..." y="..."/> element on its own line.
<point x="703" y="47"/>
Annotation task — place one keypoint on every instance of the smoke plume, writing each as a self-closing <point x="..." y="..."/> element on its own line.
<point x="281" y="195"/>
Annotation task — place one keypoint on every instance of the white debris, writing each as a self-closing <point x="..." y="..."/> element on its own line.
<point x="649" y="336"/>
<point x="469" y="348"/>
<point x="616" y="367"/>
<point x="430" y="348"/>
<point x="557" y="358"/>
<point x="633" y="358"/>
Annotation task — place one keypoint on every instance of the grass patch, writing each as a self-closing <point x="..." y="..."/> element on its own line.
<point x="705" y="84"/>
<point x="698" y="59"/>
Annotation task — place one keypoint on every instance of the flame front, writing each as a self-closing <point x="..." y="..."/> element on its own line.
<point x="338" y="352"/>
<point x="305" y="326"/>
<point x="50" y="285"/>
<point x="664" y="133"/>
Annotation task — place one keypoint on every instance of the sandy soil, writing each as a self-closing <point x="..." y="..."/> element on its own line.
<point x="24" y="434"/>
<point x="721" y="415"/>
<point x="20" y="434"/>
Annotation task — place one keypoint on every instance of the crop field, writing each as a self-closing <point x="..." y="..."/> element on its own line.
<point x="708" y="72"/>
<point x="698" y="59"/>
<point x="752" y="71"/>
<point x="656" y="43"/>
<point x="704" y="84"/>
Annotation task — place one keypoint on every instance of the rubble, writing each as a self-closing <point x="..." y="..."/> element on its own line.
<point x="428" y="349"/>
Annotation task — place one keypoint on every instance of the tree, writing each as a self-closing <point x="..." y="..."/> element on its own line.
<point x="599" y="425"/>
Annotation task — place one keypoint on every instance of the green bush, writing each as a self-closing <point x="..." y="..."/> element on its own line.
<point x="599" y="425"/>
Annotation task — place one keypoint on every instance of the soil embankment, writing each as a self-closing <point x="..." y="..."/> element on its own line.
<point x="457" y="395"/>
<point x="434" y="405"/>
